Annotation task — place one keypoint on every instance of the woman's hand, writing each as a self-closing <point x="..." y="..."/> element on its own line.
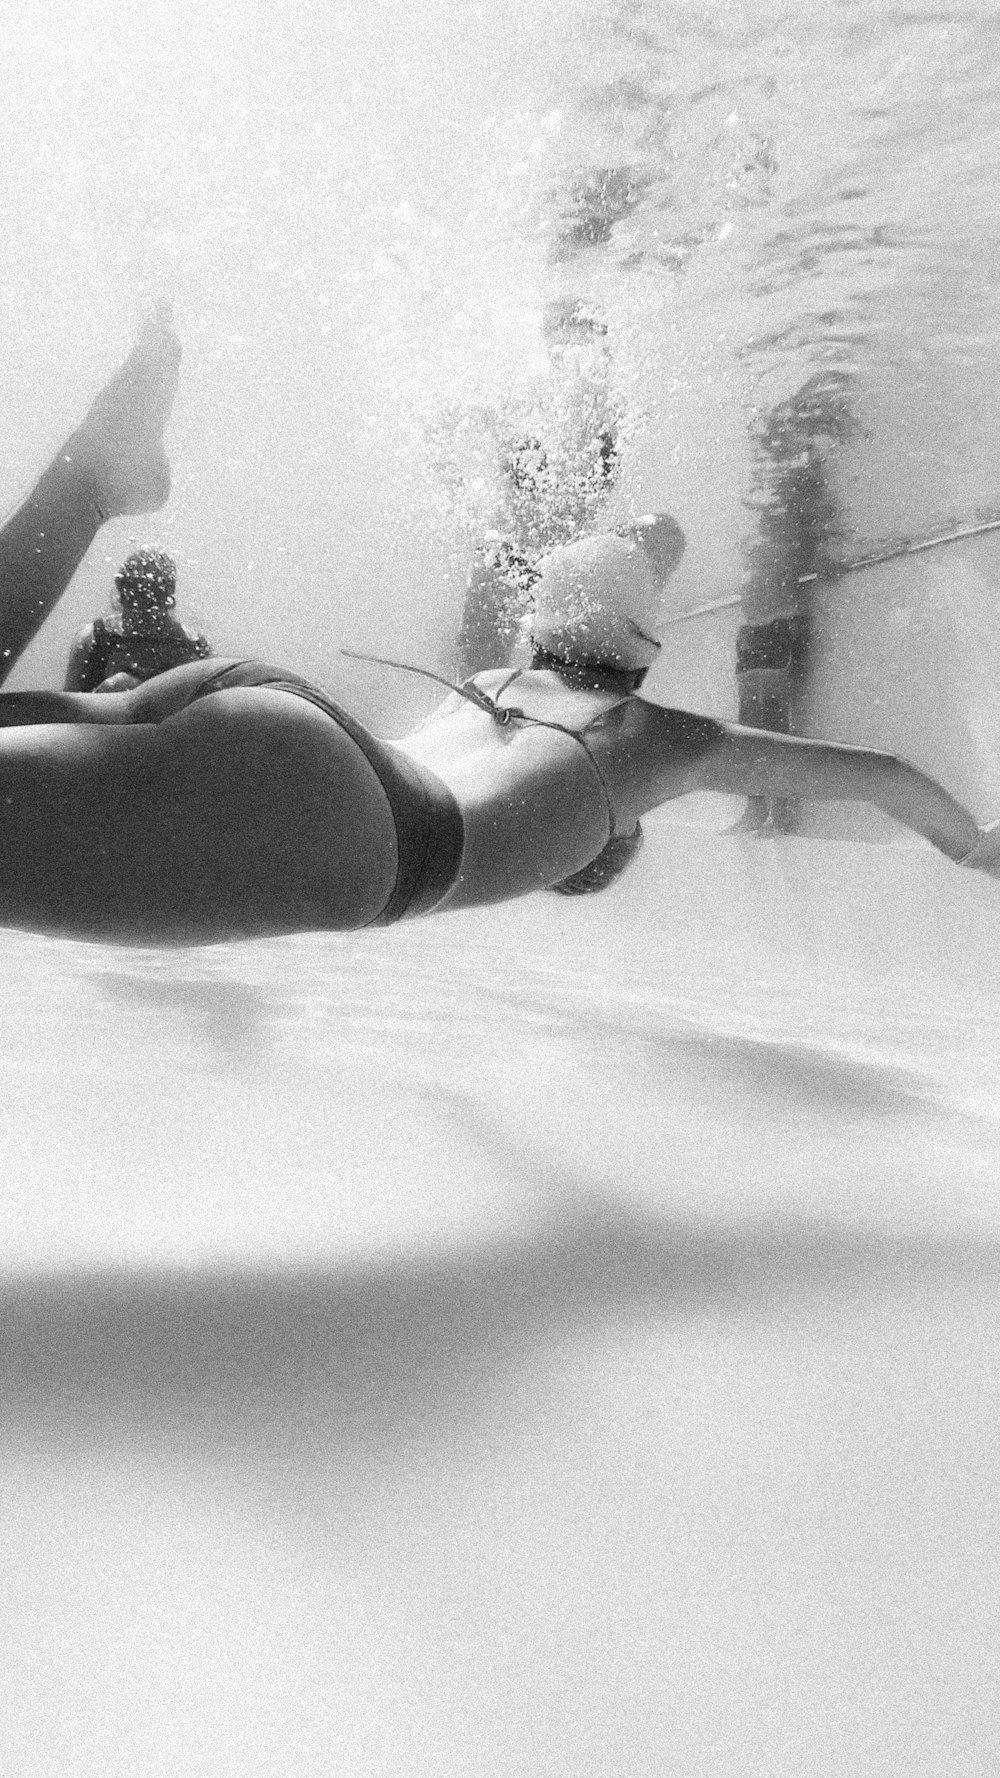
<point x="985" y="854"/>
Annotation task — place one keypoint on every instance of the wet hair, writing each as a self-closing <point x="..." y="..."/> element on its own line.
<point x="146" y="581"/>
<point x="588" y="675"/>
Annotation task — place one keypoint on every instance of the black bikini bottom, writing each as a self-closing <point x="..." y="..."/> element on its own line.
<point x="428" y="821"/>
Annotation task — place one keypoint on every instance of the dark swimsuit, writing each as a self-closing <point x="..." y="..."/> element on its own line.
<point x="143" y="654"/>
<point x="430" y="835"/>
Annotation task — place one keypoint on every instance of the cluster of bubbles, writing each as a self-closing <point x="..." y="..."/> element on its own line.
<point x="534" y="470"/>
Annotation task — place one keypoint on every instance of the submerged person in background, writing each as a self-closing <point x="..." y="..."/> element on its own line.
<point x="145" y="640"/>
<point x="557" y="460"/>
<point x="796" y="526"/>
<point x="230" y="800"/>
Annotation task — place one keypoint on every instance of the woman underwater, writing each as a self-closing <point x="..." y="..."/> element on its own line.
<point x="228" y="800"/>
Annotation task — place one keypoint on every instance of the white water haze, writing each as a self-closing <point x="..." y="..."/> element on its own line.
<point x="558" y="1341"/>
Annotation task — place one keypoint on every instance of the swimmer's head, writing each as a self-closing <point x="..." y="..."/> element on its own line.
<point x="569" y="321"/>
<point x="597" y="601"/>
<point x="145" y="582"/>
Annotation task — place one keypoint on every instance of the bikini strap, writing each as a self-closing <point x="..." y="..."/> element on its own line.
<point x="468" y="689"/>
<point x="502" y="714"/>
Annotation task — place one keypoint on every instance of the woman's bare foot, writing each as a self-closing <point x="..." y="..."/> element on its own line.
<point x="120" y="444"/>
<point x="768" y="818"/>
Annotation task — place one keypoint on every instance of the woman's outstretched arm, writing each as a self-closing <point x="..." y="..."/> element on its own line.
<point x="751" y="762"/>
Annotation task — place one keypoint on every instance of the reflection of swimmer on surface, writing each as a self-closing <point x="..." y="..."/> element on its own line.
<point x="227" y="800"/>
<point x="555" y="466"/>
<point x="145" y="640"/>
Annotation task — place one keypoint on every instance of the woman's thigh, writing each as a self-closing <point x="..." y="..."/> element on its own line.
<point x="248" y="813"/>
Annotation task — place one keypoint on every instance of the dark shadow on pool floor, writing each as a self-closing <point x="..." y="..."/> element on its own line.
<point x="367" y="1355"/>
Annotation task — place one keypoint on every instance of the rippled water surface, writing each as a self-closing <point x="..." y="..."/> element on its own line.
<point x="559" y="1340"/>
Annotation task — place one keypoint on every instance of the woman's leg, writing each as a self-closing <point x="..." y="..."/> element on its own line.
<point x="113" y="464"/>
